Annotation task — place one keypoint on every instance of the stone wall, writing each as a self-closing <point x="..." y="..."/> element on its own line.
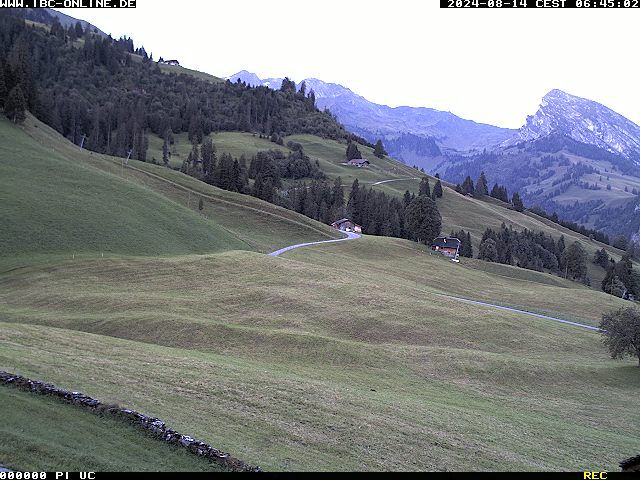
<point x="154" y="425"/>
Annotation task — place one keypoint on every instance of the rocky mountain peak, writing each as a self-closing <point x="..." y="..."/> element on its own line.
<point x="585" y="121"/>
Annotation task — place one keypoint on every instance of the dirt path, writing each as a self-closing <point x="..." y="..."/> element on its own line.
<point x="394" y="180"/>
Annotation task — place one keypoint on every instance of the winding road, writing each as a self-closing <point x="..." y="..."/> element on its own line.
<point x="354" y="236"/>
<point x="350" y="236"/>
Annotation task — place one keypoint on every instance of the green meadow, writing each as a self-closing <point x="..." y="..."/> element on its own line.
<point x="347" y="356"/>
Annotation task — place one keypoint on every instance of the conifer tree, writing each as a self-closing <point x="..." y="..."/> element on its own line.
<point x="378" y="150"/>
<point x="425" y="189"/>
<point x="165" y="152"/>
<point x="437" y="189"/>
<point x="576" y="261"/>
<point x="353" y="152"/>
<point x="15" y="107"/>
<point x="488" y="250"/>
<point x="516" y="201"/>
<point x="423" y="219"/>
<point x="406" y="199"/>
<point x="354" y="203"/>
<point x="208" y="153"/>
<point x="467" y="186"/>
<point x="601" y="258"/>
<point x="481" y="186"/>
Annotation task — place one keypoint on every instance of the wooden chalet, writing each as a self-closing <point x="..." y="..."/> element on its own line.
<point x="346" y="225"/>
<point x="447" y="246"/>
<point x="359" y="162"/>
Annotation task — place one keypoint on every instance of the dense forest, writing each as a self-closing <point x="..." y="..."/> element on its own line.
<point x="106" y="94"/>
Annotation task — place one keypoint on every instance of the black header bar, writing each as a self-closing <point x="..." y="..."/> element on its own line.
<point x="515" y="4"/>
<point x="67" y="3"/>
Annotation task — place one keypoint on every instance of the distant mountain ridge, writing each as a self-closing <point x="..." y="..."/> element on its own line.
<point x="374" y="121"/>
<point x="583" y="120"/>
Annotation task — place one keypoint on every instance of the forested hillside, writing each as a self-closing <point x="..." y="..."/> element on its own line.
<point x="104" y="94"/>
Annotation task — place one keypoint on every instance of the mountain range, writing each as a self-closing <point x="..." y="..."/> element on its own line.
<point x="373" y="121"/>
<point x="581" y="119"/>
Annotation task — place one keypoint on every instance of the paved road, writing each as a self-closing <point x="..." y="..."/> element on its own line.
<point x="353" y="236"/>
<point x="500" y="307"/>
<point x="5" y="470"/>
<point x="350" y="236"/>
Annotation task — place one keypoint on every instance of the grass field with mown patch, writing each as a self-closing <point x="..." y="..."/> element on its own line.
<point x="296" y="366"/>
<point x="346" y="356"/>
<point x="43" y="434"/>
<point x="52" y="204"/>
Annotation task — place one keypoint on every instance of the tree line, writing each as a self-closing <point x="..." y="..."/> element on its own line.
<point x="534" y="251"/>
<point x="91" y="87"/>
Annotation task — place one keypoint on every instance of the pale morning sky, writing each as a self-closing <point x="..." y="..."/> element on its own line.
<point x="486" y="65"/>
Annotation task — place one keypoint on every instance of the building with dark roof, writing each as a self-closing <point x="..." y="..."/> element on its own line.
<point x="347" y="225"/>
<point x="447" y="246"/>
<point x="359" y="162"/>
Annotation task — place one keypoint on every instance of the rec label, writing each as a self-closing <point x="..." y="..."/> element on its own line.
<point x="68" y="3"/>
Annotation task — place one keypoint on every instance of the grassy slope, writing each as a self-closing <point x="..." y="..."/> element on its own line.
<point x="44" y="434"/>
<point x="240" y="348"/>
<point x="341" y="368"/>
<point x="52" y="204"/>
<point x="87" y="207"/>
<point x="612" y="198"/>
<point x="458" y="212"/>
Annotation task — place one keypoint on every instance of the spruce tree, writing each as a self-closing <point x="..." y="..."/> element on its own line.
<point x="378" y="150"/>
<point x="467" y="186"/>
<point x="437" y="189"/>
<point x="425" y="189"/>
<point x="488" y="250"/>
<point x="423" y="220"/>
<point x="601" y="258"/>
<point x="353" y="152"/>
<point x="481" y="186"/>
<point x="516" y="201"/>
<point x="165" y="152"/>
<point x="354" y="204"/>
<point x="576" y="261"/>
<point x="337" y="199"/>
<point x="15" y="107"/>
<point x="406" y="200"/>
<point x="79" y="31"/>
<point x="208" y="153"/>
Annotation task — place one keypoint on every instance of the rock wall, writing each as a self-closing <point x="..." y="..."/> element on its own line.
<point x="154" y="425"/>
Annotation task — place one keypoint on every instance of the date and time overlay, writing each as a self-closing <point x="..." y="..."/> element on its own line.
<point x="588" y="4"/>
